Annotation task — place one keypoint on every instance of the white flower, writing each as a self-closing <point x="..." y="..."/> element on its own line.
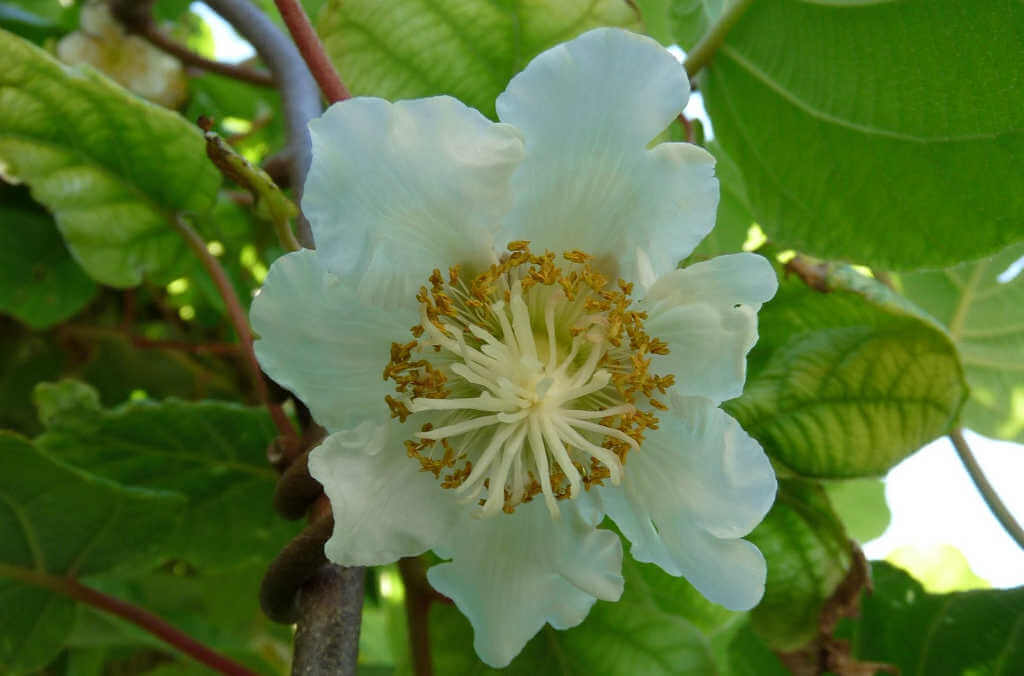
<point x="536" y="392"/>
<point x="128" y="59"/>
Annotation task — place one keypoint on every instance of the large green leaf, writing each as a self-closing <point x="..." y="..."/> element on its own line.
<point x="975" y="632"/>
<point x="111" y="167"/>
<point x="733" y="221"/>
<point x="58" y="521"/>
<point x="469" y="49"/>
<point x="847" y="383"/>
<point x="808" y="555"/>
<point x="40" y="283"/>
<point x="640" y="634"/>
<point x="983" y="311"/>
<point x="212" y="452"/>
<point x="857" y="136"/>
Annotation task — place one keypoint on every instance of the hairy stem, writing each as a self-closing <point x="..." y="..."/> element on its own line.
<point x="158" y="39"/>
<point x="705" y="49"/>
<point x="299" y="92"/>
<point x="312" y="50"/>
<point x="988" y="493"/>
<point x="138" y="616"/>
<point x="418" y="597"/>
<point x="238" y="320"/>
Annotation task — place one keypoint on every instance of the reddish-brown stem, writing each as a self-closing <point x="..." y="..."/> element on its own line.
<point x="238" y="319"/>
<point x="155" y="37"/>
<point x="185" y="346"/>
<point x="138" y="616"/>
<point x="312" y="50"/>
<point x="418" y="597"/>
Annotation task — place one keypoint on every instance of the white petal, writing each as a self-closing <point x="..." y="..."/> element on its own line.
<point x="384" y="506"/>
<point x="512" y="573"/>
<point x="697" y="484"/>
<point x="707" y="313"/>
<point x="587" y="109"/>
<point x="398" y="189"/>
<point x="319" y="340"/>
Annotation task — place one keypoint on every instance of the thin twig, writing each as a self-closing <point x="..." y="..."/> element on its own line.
<point x="988" y="493"/>
<point x="701" y="53"/>
<point x="299" y="93"/>
<point x="312" y="50"/>
<point x="418" y="597"/>
<point x="158" y="39"/>
<point x="238" y="320"/>
<point x="138" y="616"/>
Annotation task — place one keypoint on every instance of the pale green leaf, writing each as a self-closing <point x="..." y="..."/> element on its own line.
<point x="847" y="383"/>
<point x="861" y="505"/>
<point x="212" y="452"/>
<point x="111" y="167"/>
<point x="981" y="303"/>
<point x="58" y="521"/>
<point x="858" y="134"/>
<point x="468" y="49"/>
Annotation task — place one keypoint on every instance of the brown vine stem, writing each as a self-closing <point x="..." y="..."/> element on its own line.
<point x="158" y="39"/>
<point x="312" y="50"/>
<point x="140" y="617"/>
<point x="701" y="53"/>
<point x="239" y="321"/>
<point x="988" y="493"/>
<point x="418" y="597"/>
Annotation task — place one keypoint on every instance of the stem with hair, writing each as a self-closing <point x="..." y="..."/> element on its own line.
<point x="700" y="54"/>
<point x="239" y="321"/>
<point x="299" y="93"/>
<point x="312" y="50"/>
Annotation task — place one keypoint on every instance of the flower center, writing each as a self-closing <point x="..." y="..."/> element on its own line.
<point x="538" y="380"/>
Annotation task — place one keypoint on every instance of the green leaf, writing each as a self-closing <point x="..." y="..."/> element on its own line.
<point x="847" y="383"/>
<point x="469" y="49"/>
<point x="40" y="283"/>
<point x="655" y="16"/>
<point x="734" y="219"/>
<point x="111" y="167"/>
<point x="221" y="609"/>
<point x="28" y="24"/>
<point x="985" y="318"/>
<point x="58" y="521"/>
<point x="808" y="555"/>
<point x="212" y="452"/>
<point x="25" y="359"/>
<point x="861" y="505"/>
<point x="739" y="652"/>
<point x="863" y="143"/>
<point x="118" y="369"/>
<point x="632" y="636"/>
<point x="975" y="632"/>
<point x="691" y="19"/>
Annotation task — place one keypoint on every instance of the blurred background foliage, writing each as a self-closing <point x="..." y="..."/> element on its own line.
<point x="872" y="150"/>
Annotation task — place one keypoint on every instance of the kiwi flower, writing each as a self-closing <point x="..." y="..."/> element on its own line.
<point x="495" y="333"/>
